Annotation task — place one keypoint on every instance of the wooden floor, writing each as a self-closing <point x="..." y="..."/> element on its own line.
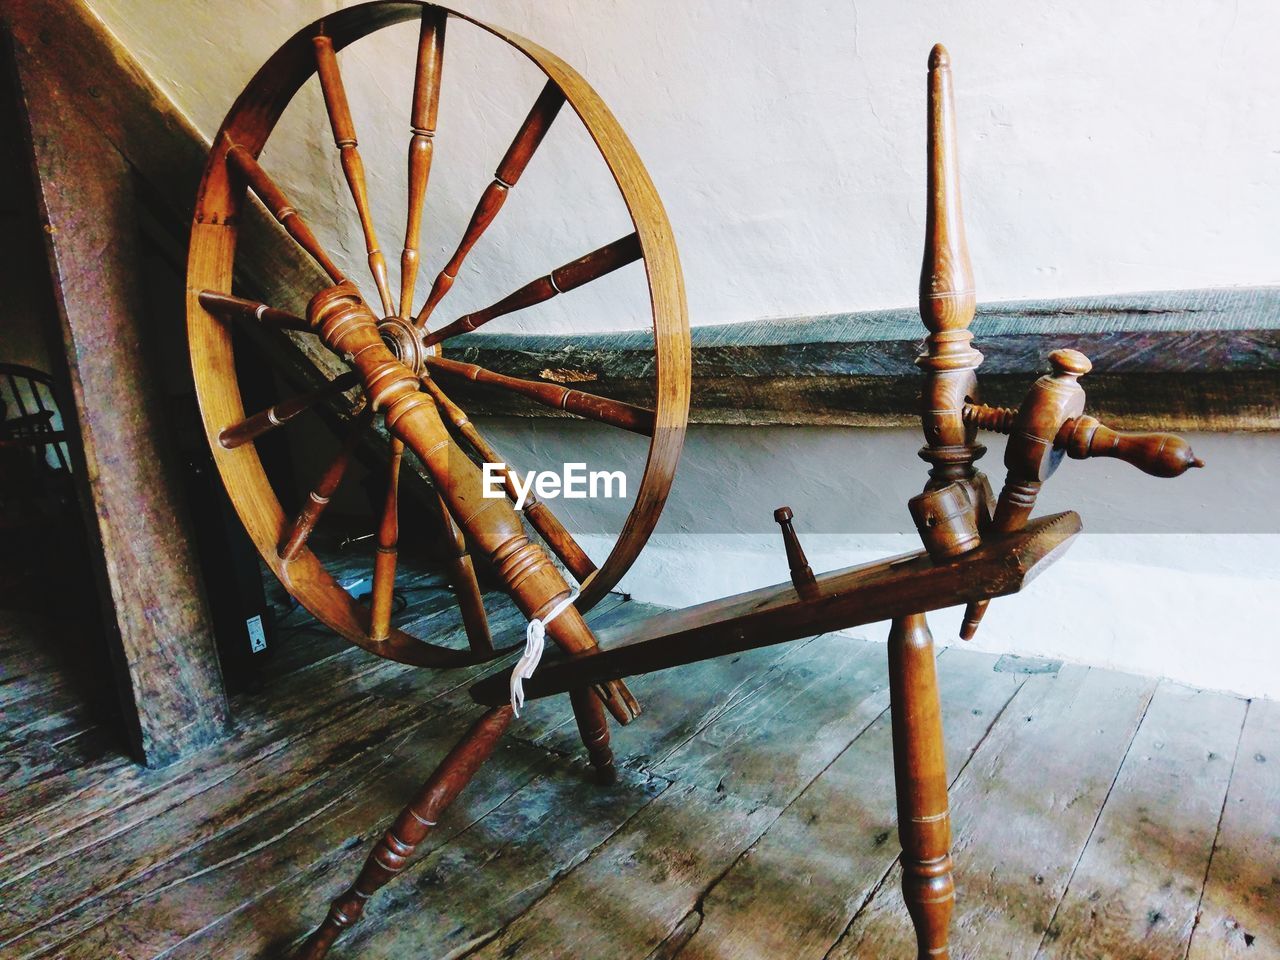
<point x="1097" y="815"/>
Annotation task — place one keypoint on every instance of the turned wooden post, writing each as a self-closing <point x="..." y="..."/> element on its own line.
<point x="947" y="298"/>
<point x="920" y="773"/>
<point x="397" y="845"/>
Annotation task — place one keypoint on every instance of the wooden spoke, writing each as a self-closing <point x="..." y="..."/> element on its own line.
<point x="344" y="138"/>
<point x="586" y="268"/>
<point x="274" y="199"/>
<point x="422" y="123"/>
<point x="241" y="309"/>
<point x="518" y="155"/>
<point x="384" y="562"/>
<point x="539" y="516"/>
<point x="281" y="413"/>
<point x="465" y="585"/>
<point x="296" y="533"/>
<point x="587" y="405"/>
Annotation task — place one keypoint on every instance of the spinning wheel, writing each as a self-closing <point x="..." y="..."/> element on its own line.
<point x="397" y="362"/>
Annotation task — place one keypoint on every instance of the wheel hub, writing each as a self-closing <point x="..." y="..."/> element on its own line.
<point x="405" y="341"/>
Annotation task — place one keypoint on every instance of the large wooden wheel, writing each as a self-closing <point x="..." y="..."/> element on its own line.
<point x="212" y="309"/>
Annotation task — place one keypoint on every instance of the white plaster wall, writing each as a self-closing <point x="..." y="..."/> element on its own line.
<point x="1105" y="148"/>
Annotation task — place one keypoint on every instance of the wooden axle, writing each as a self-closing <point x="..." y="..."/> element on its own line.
<point x="345" y="323"/>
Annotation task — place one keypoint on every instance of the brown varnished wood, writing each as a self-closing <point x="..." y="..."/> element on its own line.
<point x="593" y="728"/>
<point x="1158" y="454"/>
<point x="300" y="529"/>
<point x="465" y="585"/>
<point x="214" y="240"/>
<point x="344" y="138"/>
<point x="242" y="309"/>
<point x="947" y="297"/>
<point x="540" y="517"/>
<point x="384" y="558"/>
<point x="920" y="775"/>
<point x="526" y="142"/>
<point x="278" y="414"/>
<point x="393" y="851"/>
<point x="867" y="593"/>
<point x="614" y="413"/>
<point x="346" y="325"/>
<point x="802" y="577"/>
<point x="246" y="164"/>
<point x="574" y="274"/>
<point x="422" y="124"/>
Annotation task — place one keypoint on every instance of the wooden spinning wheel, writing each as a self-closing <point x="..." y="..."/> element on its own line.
<point x="396" y="358"/>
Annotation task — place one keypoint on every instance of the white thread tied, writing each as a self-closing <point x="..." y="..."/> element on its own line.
<point x="534" y="642"/>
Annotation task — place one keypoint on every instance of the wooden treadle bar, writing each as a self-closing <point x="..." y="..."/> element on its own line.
<point x="867" y="593"/>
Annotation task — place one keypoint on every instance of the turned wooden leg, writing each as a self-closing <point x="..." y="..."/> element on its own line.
<point x="395" y="848"/>
<point x="920" y="770"/>
<point x="593" y="726"/>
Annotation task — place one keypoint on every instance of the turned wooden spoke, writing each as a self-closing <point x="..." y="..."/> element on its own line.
<point x="615" y="413"/>
<point x="513" y="164"/>
<point x="384" y="561"/>
<point x="586" y="268"/>
<point x="344" y="138"/>
<point x="281" y="413"/>
<point x="274" y="199"/>
<point x="465" y="585"/>
<point x="299" y="530"/>
<point x="536" y="512"/>
<point x="242" y="309"/>
<point x="422" y="123"/>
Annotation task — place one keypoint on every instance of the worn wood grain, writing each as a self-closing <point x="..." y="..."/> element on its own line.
<point x="795" y="891"/>
<point x="1136" y="889"/>
<point x="1240" y="911"/>
<point x="126" y="471"/>
<point x="1178" y="359"/>
<point x="632" y="892"/>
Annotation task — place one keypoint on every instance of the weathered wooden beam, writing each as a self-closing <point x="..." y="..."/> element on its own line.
<point x="1179" y="360"/>
<point x="125" y="463"/>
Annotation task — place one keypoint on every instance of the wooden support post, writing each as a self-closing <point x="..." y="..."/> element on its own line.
<point x="391" y="854"/>
<point x="170" y="682"/>
<point x="920" y="772"/>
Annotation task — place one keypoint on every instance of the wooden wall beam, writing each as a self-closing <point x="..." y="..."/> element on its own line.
<point x="125" y="465"/>
<point x="1177" y="360"/>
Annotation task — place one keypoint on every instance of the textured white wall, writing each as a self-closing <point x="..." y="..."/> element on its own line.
<point x="1105" y="148"/>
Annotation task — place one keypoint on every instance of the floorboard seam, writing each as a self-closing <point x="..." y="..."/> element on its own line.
<point x="560" y="875"/>
<point x="1066" y="887"/>
<point x="1217" y="832"/>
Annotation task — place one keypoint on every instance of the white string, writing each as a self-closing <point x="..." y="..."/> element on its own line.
<point x="534" y="642"/>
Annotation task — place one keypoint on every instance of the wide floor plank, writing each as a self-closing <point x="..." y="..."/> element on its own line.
<point x="1137" y="887"/>
<point x="1240" y="910"/>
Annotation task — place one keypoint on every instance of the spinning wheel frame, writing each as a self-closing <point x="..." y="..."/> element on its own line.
<point x="211" y="308"/>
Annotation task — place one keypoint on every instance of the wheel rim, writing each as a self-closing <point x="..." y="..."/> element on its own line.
<point x="211" y="261"/>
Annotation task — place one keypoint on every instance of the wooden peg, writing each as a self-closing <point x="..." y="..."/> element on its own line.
<point x="801" y="573"/>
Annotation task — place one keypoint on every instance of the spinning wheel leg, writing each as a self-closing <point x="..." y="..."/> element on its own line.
<point x="920" y="770"/>
<point x="393" y="851"/>
<point x="593" y="727"/>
